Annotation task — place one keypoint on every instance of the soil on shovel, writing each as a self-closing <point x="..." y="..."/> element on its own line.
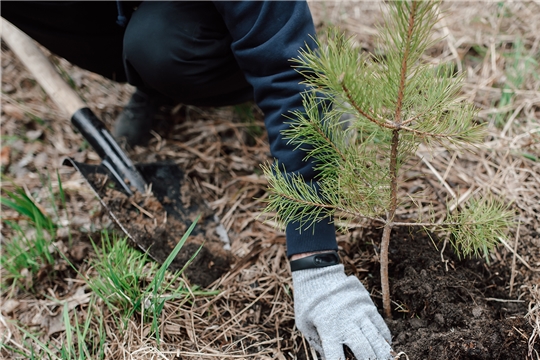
<point x="154" y="229"/>
<point x="451" y="309"/>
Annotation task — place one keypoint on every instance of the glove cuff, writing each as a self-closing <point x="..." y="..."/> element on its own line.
<point x="315" y="261"/>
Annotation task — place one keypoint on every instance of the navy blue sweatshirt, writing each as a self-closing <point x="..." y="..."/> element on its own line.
<point x="266" y="35"/>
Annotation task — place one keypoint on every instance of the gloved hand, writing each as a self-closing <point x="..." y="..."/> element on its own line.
<point x="332" y="310"/>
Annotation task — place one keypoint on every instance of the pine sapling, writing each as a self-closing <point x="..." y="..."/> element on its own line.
<point x="397" y="102"/>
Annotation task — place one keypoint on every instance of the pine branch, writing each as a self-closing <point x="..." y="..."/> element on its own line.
<point x="292" y="198"/>
<point x="386" y="124"/>
<point x="330" y="142"/>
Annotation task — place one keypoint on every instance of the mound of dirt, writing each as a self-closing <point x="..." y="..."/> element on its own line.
<point x="452" y="309"/>
<point x="157" y="220"/>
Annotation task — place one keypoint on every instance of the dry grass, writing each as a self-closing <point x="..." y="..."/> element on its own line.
<point x="534" y="318"/>
<point x="252" y="317"/>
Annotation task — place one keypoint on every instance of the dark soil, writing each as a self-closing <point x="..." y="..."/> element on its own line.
<point x="157" y="221"/>
<point x="457" y="310"/>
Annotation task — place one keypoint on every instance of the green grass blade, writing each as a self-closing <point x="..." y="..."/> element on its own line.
<point x="157" y="281"/>
<point x="69" y="332"/>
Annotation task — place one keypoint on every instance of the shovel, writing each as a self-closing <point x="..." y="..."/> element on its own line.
<point x="152" y="203"/>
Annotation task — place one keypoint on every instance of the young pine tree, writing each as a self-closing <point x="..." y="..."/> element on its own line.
<point x="397" y="103"/>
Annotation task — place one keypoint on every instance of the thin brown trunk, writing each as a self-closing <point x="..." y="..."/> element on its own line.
<point x="385" y="243"/>
<point x="404" y="64"/>
<point x="393" y="175"/>
<point x="385" y="282"/>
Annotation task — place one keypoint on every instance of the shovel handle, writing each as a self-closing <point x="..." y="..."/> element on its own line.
<point x="35" y="61"/>
<point x="92" y="129"/>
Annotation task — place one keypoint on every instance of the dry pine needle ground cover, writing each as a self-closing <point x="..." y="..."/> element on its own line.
<point x="441" y="302"/>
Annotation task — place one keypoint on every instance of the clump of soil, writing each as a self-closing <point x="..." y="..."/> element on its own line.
<point x="157" y="221"/>
<point x="452" y="309"/>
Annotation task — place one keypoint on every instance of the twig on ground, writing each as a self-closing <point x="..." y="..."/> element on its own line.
<point x="141" y="209"/>
<point x="517" y="255"/>
<point x="505" y="300"/>
<point x="513" y="273"/>
<point x="534" y="319"/>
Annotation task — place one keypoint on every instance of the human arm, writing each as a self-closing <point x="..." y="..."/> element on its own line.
<point x="331" y="309"/>
<point x="266" y="35"/>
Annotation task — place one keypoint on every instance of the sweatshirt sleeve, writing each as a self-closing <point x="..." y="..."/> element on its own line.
<point x="266" y="35"/>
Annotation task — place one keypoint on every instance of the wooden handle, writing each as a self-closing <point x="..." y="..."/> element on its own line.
<point x="41" y="68"/>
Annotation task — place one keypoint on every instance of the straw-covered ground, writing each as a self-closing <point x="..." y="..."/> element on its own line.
<point x="444" y="307"/>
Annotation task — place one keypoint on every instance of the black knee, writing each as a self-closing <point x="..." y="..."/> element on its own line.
<point x="182" y="50"/>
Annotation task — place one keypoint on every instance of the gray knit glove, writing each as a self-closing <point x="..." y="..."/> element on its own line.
<point x="332" y="310"/>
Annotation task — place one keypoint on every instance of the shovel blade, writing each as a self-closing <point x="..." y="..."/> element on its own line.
<point x="156" y="223"/>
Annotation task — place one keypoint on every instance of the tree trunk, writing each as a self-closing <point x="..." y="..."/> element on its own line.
<point x="385" y="282"/>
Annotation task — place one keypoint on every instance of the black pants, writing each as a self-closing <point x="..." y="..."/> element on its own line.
<point x="179" y="49"/>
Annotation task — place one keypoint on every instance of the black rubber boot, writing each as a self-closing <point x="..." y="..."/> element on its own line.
<point x="142" y="113"/>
